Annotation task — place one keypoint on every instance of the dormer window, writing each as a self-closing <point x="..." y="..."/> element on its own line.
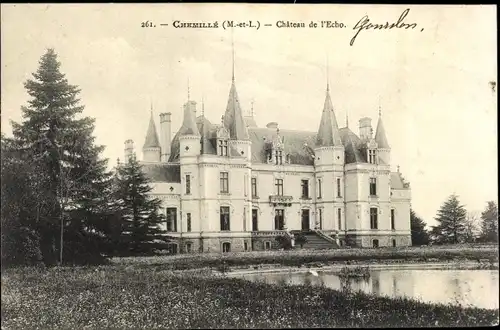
<point x="222" y="147"/>
<point x="372" y="156"/>
<point x="279" y="157"/>
<point x="222" y="140"/>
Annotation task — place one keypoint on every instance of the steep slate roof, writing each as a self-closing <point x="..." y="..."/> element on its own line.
<point x="250" y="121"/>
<point x="163" y="172"/>
<point x="233" y="117"/>
<point x="380" y="136"/>
<point x="328" y="132"/>
<point x="293" y="142"/>
<point x="352" y="146"/>
<point x="208" y="133"/>
<point x="152" y="140"/>
<point x="396" y="181"/>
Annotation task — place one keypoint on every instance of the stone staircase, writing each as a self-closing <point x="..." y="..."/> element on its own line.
<point x="316" y="240"/>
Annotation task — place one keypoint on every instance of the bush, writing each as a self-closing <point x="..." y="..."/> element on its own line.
<point x="20" y="246"/>
<point x="284" y="242"/>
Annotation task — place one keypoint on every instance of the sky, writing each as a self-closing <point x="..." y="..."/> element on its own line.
<point x="432" y="85"/>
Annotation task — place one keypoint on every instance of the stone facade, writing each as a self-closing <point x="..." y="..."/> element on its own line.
<point x="224" y="185"/>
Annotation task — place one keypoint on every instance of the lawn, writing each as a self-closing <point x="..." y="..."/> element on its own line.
<point x="124" y="296"/>
<point x="293" y="258"/>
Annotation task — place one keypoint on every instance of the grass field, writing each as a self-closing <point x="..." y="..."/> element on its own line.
<point x="121" y="296"/>
<point x="294" y="258"/>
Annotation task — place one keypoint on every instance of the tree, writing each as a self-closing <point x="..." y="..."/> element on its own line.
<point x="19" y="205"/>
<point x="451" y="218"/>
<point x="139" y="211"/>
<point x="72" y="179"/>
<point x="472" y="227"/>
<point x="489" y="223"/>
<point x="284" y="242"/>
<point x="419" y="235"/>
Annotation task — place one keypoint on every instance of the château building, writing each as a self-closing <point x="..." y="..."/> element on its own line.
<point x="234" y="186"/>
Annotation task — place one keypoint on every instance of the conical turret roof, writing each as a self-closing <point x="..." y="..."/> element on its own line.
<point x="152" y="140"/>
<point x="189" y="123"/>
<point x="233" y="118"/>
<point x="380" y="136"/>
<point x="328" y="132"/>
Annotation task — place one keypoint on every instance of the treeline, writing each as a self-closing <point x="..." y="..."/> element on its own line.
<point x="455" y="225"/>
<point x="60" y="203"/>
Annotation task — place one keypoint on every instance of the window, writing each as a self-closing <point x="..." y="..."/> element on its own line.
<point x="339" y="192"/>
<point x="305" y="219"/>
<point x="319" y="188"/>
<point x="393" y="220"/>
<point x="226" y="247"/>
<point x="373" y="218"/>
<point x="172" y="219"/>
<point x="375" y="243"/>
<point x="255" y="221"/>
<point x="372" y="156"/>
<point x="254" y="187"/>
<point x="188" y="184"/>
<point x="373" y="186"/>
<point x="188" y="247"/>
<point x="305" y="188"/>
<point x="320" y="219"/>
<point x="188" y="216"/>
<point x="244" y="219"/>
<point x="223" y="147"/>
<point x="279" y="220"/>
<point x="267" y="246"/>
<point x="279" y="157"/>
<point x="245" y="246"/>
<point x="393" y="243"/>
<point x="224" y="218"/>
<point x="224" y="182"/>
<point x="339" y="217"/>
<point x="279" y="187"/>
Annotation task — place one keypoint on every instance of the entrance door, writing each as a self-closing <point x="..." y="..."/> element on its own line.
<point x="279" y="220"/>
<point x="305" y="219"/>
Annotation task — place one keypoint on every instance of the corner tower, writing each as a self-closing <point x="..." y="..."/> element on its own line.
<point x="329" y="170"/>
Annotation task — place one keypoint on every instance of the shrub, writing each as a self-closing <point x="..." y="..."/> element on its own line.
<point x="284" y="242"/>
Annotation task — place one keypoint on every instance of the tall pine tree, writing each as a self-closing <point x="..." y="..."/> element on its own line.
<point x="74" y="179"/>
<point x="419" y="235"/>
<point x="489" y="224"/>
<point x="139" y="211"/>
<point x="451" y="218"/>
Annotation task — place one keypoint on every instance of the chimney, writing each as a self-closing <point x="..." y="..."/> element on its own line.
<point x="365" y="129"/>
<point x="129" y="149"/>
<point x="165" y="135"/>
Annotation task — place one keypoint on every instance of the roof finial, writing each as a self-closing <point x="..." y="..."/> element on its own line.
<point x="379" y="108"/>
<point x="203" y="106"/>
<point x="347" y="119"/>
<point x="327" y="75"/>
<point x="251" y="110"/>
<point x="398" y="168"/>
<point x="188" y="88"/>
<point x="151" y="105"/>
<point x="232" y="47"/>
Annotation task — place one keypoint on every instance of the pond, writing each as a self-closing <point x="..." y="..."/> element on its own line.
<point x="474" y="288"/>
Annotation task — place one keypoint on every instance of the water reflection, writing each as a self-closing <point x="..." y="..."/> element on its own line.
<point x="477" y="288"/>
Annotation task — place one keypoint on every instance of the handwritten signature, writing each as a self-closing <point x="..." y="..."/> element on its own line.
<point x="365" y="24"/>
